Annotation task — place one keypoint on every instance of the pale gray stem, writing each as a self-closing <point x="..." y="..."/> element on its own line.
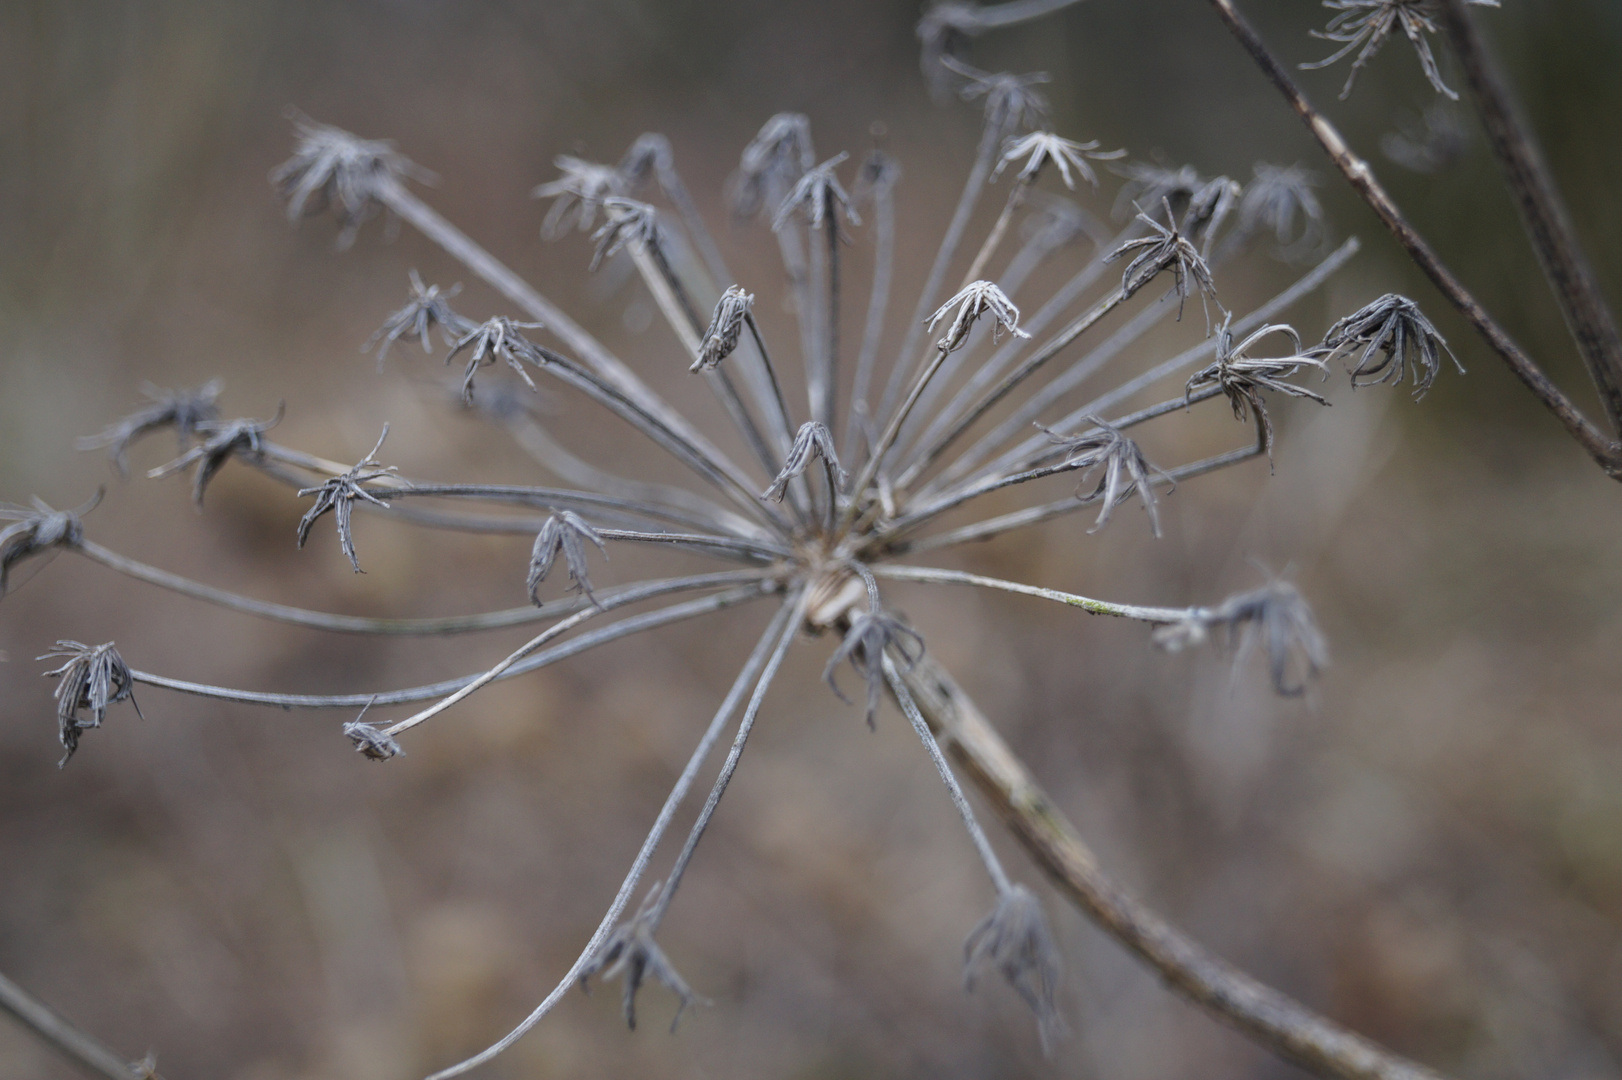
<point x="878" y="306"/>
<point x="63" y="1037"/>
<point x="751" y="669"/>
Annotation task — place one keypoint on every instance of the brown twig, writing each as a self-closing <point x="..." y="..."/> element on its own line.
<point x="1601" y="447"/>
<point x="1547" y="223"/>
<point x="68" y="1040"/>
<point x="1278" y="1022"/>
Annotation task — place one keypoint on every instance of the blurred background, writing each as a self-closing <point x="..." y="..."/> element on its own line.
<point x="1428" y="849"/>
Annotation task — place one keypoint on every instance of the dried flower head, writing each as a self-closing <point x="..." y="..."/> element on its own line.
<point x="38" y="529"/>
<point x="1149" y="184"/>
<point x="1278" y="615"/>
<point x="812" y="441"/>
<point x="1280" y="199"/>
<point x="1405" y="340"/>
<point x="629" y="223"/>
<point x="494" y="339"/>
<point x="631" y="953"/>
<point x="222" y="440"/>
<point x="1436" y="140"/>
<point x="1243" y="378"/>
<point x="818" y="198"/>
<point x="1166" y="248"/>
<point x="1012" y="101"/>
<point x="872" y="634"/>
<point x="93" y="678"/>
<point x="332" y="168"/>
<point x="582" y="188"/>
<point x="650" y="156"/>
<point x="1365" y="25"/>
<point x="942" y="31"/>
<point x="1126" y="470"/>
<point x="566" y="532"/>
<point x="1039" y="147"/>
<point x="726" y="325"/>
<point x="428" y="307"/>
<point x="772" y="163"/>
<point x="182" y="410"/>
<point x="1015" y="939"/>
<point x="370" y="740"/>
<point x="975" y="300"/>
<point x="339" y="494"/>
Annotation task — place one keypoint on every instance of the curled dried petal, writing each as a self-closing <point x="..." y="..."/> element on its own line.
<point x="1405" y="340"/>
<point x="92" y="679"/>
<point x="222" y="440"/>
<point x="977" y="299"/>
<point x="339" y="494"/>
<point x="818" y="197"/>
<point x="1364" y="26"/>
<point x="629" y="223"/>
<point x="564" y="532"/>
<point x="871" y="634"/>
<point x="1276" y="614"/>
<point x="182" y="410"/>
<point x="38" y="529"/>
<point x="1165" y="249"/>
<point x="1040" y="147"/>
<point x="1243" y="378"/>
<point x="1015" y="939"/>
<point x="1124" y="466"/>
<point x="630" y="952"/>
<point x="726" y="325"/>
<point x="496" y="339"/>
<point x="813" y="440"/>
<point x="428" y="307"/>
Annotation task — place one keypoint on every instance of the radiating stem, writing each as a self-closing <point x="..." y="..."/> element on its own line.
<point x="751" y="669"/>
<point x="1016" y="199"/>
<point x="933" y="576"/>
<point x="887" y="440"/>
<point x="62" y="1036"/>
<point x="878" y="306"/>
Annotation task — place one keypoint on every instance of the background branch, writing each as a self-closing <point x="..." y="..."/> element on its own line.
<point x="68" y="1040"/>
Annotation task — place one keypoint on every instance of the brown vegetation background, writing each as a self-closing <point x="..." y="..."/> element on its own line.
<point x="1431" y="851"/>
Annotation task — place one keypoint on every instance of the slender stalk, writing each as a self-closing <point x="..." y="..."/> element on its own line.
<point x="1604" y="450"/>
<point x="360" y="624"/>
<point x="785" y="638"/>
<point x="934" y="576"/>
<point x="62" y="1036"/>
<point x="613" y="632"/>
<point x="1016" y="199"/>
<point x="1017" y="11"/>
<point x="988" y="857"/>
<point x="729" y="705"/>
<point x="1543" y="214"/>
<point x="829" y="392"/>
<point x="1273" y="1019"/>
<point x="878" y="307"/>
<point x="887" y="440"/>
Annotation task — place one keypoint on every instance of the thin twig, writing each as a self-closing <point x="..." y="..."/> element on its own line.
<point x="65" y="1038"/>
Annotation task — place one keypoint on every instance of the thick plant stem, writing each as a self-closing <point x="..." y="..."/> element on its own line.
<point x="1604" y="450"/>
<point x="66" y="1039"/>
<point x="1278" y="1022"/>
<point x="1548" y="225"/>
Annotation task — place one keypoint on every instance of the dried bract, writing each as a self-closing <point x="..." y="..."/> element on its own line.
<point x="1405" y="340"/>
<point x="1277" y="614"/>
<point x="493" y="339"/>
<point x="1243" y="378"/>
<point x="1039" y="147"/>
<point x="1280" y="199"/>
<point x="582" y="188"/>
<point x="630" y="952"/>
<point x="1016" y="940"/>
<point x="1165" y="249"/>
<point x="813" y="440"/>
<point x="726" y="325"/>
<point x="332" y="168"/>
<point x="428" y="307"/>
<point x="1125" y="468"/>
<point x="818" y="198"/>
<point x="222" y="440"/>
<point x="977" y="299"/>
<point x="566" y="532"/>
<point x="182" y="410"/>
<point x="1364" y="25"/>
<point x="93" y="678"/>
<point x="37" y="529"/>
<point x="339" y="494"/>
<point x="872" y="633"/>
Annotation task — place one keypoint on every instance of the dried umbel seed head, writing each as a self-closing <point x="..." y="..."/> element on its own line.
<point x="771" y="164"/>
<point x="977" y="299"/>
<point x="818" y="198"/>
<point x="1125" y="470"/>
<point x="1281" y="200"/>
<point x="1015" y="939"/>
<point x="92" y="679"/>
<point x="339" y="494"/>
<point x="1012" y="101"/>
<point x="1277" y="615"/>
<point x="332" y="168"/>
<point x="38" y="529"/>
<point x="182" y="410"/>
<point x="565" y="532"/>
<point x="630" y="953"/>
<point x="492" y="340"/>
<point x="1364" y="25"/>
<point x="1148" y="184"/>
<point x="582" y="188"/>
<point x="1433" y="142"/>
<point x="871" y="635"/>
<point x="726" y="325"/>
<point x="1040" y="147"/>
<point x="1403" y="338"/>
<point x="1166" y="248"/>
<point x="812" y="441"/>
<point x="1208" y="207"/>
<point x="371" y="741"/>
<point x="428" y="307"/>
<point x="942" y="31"/>
<point x="1243" y="378"/>
<point x="222" y="440"/>
<point x="629" y="223"/>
